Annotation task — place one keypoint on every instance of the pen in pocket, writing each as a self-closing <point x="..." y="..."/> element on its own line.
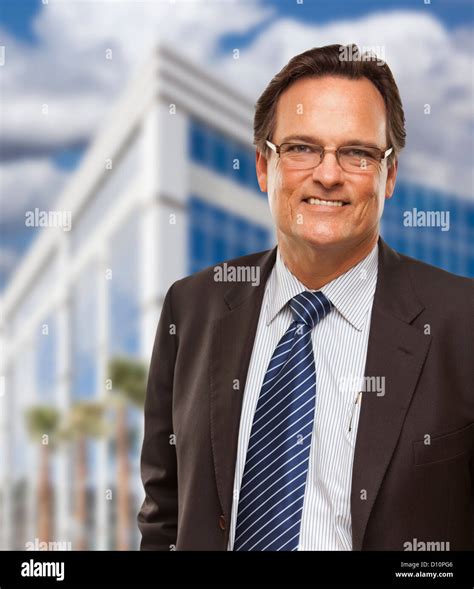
<point x="353" y="409"/>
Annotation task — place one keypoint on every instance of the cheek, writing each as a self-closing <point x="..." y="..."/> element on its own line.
<point x="369" y="192"/>
<point x="282" y="190"/>
<point x="379" y="186"/>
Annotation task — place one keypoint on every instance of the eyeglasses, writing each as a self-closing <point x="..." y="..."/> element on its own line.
<point x="351" y="158"/>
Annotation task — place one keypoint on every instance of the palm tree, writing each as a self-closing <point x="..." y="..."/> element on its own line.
<point x="43" y="420"/>
<point x="128" y="378"/>
<point x="84" y="420"/>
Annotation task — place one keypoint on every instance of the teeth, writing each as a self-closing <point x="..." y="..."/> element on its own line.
<point x="328" y="203"/>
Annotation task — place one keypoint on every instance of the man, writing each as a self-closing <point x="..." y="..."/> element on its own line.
<point x="331" y="406"/>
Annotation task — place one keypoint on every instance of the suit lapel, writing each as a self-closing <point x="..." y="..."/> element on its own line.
<point x="397" y="352"/>
<point x="232" y="343"/>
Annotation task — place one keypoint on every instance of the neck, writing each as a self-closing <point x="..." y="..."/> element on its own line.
<point x="315" y="266"/>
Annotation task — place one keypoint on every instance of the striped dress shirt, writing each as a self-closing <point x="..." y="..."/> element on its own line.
<point x="340" y="350"/>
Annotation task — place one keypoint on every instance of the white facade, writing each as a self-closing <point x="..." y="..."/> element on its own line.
<point x="137" y="173"/>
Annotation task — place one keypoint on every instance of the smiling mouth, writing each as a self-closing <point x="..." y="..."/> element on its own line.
<point x="325" y="203"/>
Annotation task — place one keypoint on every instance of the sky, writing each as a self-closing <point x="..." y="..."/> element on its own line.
<point x="54" y="56"/>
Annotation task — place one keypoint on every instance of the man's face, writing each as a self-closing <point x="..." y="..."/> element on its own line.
<point x="333" y="112"/>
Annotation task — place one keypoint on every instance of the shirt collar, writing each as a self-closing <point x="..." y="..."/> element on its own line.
<point x="351" y="293"/>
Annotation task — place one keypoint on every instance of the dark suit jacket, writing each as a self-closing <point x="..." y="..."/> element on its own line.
<point x="403" y="489"/>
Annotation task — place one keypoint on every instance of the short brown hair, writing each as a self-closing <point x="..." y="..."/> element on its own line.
<point x="329" y="61"/>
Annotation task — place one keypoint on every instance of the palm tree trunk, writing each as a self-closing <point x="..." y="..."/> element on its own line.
<point x="122" y="480"/>
<point x="44" y="496"/>
<point x="81" y="493"/>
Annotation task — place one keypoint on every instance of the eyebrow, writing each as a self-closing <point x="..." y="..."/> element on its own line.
<point x="316" y="141"/>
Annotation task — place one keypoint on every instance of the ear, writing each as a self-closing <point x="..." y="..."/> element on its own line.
<point x="261" y="168"/>
<point x="391" y="178"/>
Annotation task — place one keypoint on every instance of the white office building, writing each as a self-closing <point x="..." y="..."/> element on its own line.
<point x="168" y="186"/>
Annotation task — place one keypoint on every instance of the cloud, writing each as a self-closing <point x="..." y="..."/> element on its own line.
<point x="67" y="70"/>
<point x="26" y="184"/>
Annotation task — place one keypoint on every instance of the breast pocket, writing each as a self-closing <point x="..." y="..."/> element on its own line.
<point x="444" y="446"/>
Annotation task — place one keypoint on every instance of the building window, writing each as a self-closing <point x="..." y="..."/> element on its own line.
<point x="125" y="167"/>
<point x="222" y="154"/>
<point x="123" y="285"/>
<point x="216" y="235"/>
<point x="46" y="360"/>
<point x="84" y="336"/>
<point x="447" y="249"/>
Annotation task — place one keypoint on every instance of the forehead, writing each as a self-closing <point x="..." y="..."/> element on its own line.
<point x="331" y="108"/>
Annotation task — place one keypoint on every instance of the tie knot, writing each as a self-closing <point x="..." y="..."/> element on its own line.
<point x="310" y="307"/>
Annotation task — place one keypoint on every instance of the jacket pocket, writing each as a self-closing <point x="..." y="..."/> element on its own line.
<point x="444" y="446"/>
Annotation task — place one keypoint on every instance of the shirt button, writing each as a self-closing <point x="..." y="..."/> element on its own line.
<point x="222" y="522"/>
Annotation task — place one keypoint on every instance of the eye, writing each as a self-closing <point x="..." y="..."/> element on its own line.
<point x="300" y="148"/>
<point x="359" y="153"/>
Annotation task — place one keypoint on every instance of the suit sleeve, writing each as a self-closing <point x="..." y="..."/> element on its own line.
<point x="158" y="515"/>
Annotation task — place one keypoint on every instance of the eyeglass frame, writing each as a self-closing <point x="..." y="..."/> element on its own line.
<point x="276" y="149"/>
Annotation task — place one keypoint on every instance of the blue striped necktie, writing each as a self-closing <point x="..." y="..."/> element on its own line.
<point x="276" y="465"/>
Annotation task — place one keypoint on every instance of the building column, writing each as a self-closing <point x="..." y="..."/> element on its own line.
<point x="28" y="388"/>
<point x="63" y="482"/>
<point x="163" y="205"/>
<point x="102" y="501"/>
<point x="6" y="491"/>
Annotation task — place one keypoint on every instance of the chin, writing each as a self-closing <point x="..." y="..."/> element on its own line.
<point x="321" y="239"/>
<point x="324" y="235"/>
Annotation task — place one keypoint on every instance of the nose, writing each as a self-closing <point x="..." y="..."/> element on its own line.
<point x="329" y="172"/>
